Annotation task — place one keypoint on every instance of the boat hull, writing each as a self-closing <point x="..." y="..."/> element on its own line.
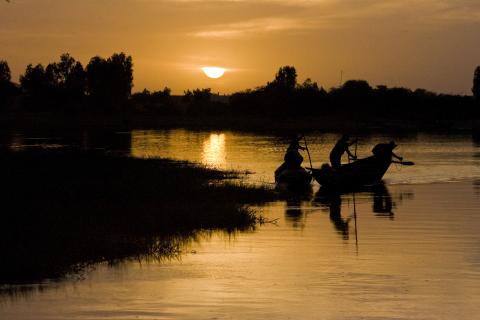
<point x="363" y="172"/>
<point x="293" y="178"/>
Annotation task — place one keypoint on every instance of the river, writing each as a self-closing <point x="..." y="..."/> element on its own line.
<point x="409" y="249"/>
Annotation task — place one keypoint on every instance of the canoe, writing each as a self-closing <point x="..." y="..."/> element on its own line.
<point x="367" y="171"/>
<point x="292" y="178"/>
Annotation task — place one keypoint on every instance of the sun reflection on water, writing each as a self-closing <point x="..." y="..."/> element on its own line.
<point x="213" y="153"/>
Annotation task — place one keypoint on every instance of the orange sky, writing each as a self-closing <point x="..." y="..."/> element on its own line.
<point x="433" y="44"/>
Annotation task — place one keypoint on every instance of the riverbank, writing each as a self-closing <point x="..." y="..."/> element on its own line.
<point x="65" y="209"/>
<point x="257" y="124"/>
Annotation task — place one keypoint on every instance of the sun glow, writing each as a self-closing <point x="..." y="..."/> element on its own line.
<point x="214" y="154"/>
<point x="213" y="72"/>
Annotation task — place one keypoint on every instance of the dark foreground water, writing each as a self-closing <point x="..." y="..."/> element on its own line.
<point x="407" y="250"/>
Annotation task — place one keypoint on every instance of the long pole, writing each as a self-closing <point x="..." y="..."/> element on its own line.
<point x="308" y="152"/>
<point x="355" y="219"/>
<point x="356" y="144"/>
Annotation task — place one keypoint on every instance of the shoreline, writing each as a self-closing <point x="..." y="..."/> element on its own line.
<point x="255" y="124"/>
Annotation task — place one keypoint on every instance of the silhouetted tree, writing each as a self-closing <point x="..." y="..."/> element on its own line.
<point x="198" y="101"/>
<point x="110" y="81"/>
<point x="286" y="78"/>
<point x="4" y="71"/>
<point x="8" y="90"/>
<point x="159" y="101"/>
<point x="61" y="85"/>
<point x="97" y="75"/>
<point x="356" y="88"/>
<point x="69" y="77"/>
<point x="202" y="95"/>
<point x="476" y="83"/>
<point x="35" y="80"/>
<point x="122" y="68"/>
<point x="352" y="100"/>
<point x="281" y="97"/>
<point x="308" y="84"/>
<point x="310" y="98"/>
<point x="38" y="87"/>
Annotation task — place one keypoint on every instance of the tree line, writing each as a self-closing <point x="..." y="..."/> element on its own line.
<point x="67" y="86"/>
<point x="105" y="85"/>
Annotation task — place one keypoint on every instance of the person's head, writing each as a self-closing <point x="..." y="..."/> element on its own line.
<point x="392" y="144"/>
<point x="345" y="137"/>
<point x="296" y="138"/>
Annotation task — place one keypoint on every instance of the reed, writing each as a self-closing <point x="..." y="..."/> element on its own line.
<point x="62" y="210"/>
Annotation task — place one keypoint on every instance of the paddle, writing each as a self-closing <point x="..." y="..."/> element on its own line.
<point x="308" y="152"/>
<point x="405" y="163"/>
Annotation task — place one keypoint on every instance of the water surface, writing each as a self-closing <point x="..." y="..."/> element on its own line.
<point x="407" y="250"/>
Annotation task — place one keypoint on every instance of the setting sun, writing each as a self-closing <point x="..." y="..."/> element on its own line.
<point x="213" y="72"/>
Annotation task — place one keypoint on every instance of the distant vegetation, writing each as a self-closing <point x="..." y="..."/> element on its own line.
<point x="66" y="86"/>
<point x="105" y="86"/>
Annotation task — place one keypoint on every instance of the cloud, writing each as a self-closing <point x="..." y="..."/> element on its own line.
<point x="461" y="10"/>
<point x="342" y="14"/>
<point x="254" y="27"/>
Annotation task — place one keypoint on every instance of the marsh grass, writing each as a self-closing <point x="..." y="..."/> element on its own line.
<point x="63" y="210"/>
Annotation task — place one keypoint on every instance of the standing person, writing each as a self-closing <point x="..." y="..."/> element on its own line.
<point x="339" y="149"/>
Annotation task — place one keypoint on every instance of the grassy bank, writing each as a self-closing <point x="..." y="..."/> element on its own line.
<point x="62" y="210"/>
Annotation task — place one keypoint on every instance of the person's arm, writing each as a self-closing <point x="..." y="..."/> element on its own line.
<point x="353" y="142"/>
<point x="354" y="157"/>
<point x="398" y="157"/>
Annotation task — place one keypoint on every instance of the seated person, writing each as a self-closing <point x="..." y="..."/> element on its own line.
<point x="293" y="158"/>
<point x="386" y="150"/>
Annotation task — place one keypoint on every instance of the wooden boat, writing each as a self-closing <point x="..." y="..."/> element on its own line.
<point x="367" y="171"/>
<point x="292" y="178"/>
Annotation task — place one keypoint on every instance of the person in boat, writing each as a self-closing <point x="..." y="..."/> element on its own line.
<point x="385" y="150"/>
<point x="291" y="172"/>
<point x="292" y="157"/>
<point x="339" y="149"/>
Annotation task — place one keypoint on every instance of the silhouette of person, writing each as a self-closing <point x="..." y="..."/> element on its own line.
<point x="333" y="201"/>
<point x="292" y="157"/>
<point x="339" y="149"/>
<point x="385" y="150"/>
<point x="382" y="201"/>
<point x="336" y="216"/>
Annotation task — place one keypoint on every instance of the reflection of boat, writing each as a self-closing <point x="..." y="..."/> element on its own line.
<point x="294" y="200"/>
<point x="362" y="172"/>
<point x="293" y="178"/>
<point x="333" y="202"/>
<point x="382" y="202"/>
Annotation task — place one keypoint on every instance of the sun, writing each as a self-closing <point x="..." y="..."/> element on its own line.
<point x="214" y="72"/>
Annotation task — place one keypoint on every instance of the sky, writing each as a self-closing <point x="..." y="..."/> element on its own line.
<point x="431" y="44"/>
